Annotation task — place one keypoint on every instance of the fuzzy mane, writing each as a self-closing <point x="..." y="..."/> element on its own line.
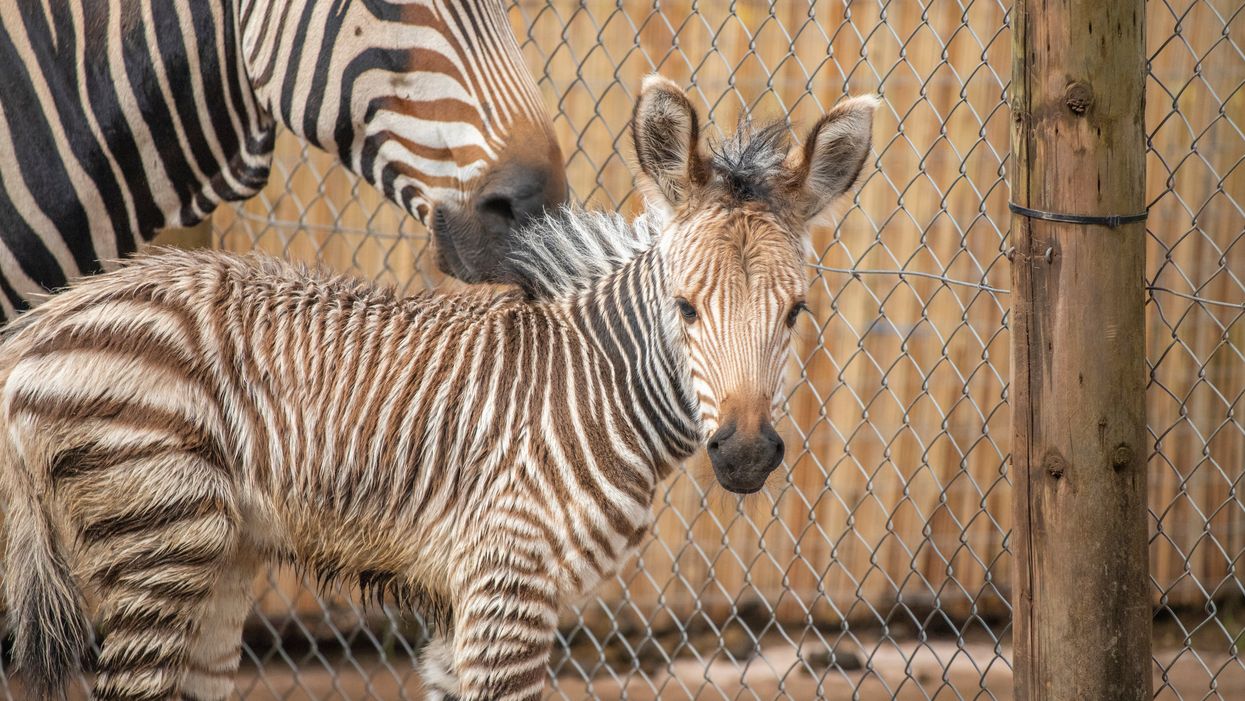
<point x="568" y="249"/>
<point x="745" y="163"/>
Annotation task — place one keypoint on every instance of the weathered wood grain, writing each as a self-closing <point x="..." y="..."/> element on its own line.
<point x="1081" y="602"/>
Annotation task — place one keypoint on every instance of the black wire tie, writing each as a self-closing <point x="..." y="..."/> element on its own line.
<point x="1111" y="221"/>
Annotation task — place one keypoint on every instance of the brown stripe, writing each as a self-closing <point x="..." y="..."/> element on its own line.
<point x="462" y="154"/>
<point x="528" y="652"/>
<point x="141" y="342"/>
<point x="106" y="689"/>
<point x="496" y="619"/>
<point x="195" y="554"/>
<point x="118" y="411"/>
<point x="83" y="459"/>
<point x="513" y="590"/>
<point x="151" y="517"/>
<point x="516" y="682"/>
<point x="123" y="658"/>
<point x="229" y="365"/>
<point x="427" y="179"/>
<point x="368" y="403"/>
<point x="182" y="589"/>
<point x="139" y="620"/>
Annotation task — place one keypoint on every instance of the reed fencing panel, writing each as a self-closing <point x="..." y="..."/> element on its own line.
<point x="890" y="525"/>
<point x="877" y="563"/>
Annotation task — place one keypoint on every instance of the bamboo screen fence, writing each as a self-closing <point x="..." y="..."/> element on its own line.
<point x="899" y="399"/>
<point x="896" y="422"/>
<point x="895" y="511"/>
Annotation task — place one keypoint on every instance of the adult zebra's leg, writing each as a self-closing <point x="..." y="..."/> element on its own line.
<point x="504" y="623"/>
<point x="161" y="532"/>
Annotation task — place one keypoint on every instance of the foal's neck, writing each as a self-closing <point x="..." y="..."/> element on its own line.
<point x="628" y="319"/>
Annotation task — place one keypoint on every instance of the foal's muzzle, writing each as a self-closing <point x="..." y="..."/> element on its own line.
<point x="743" y="460"/>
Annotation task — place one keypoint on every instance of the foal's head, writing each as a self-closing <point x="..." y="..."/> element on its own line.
<point x="734" y="247"/>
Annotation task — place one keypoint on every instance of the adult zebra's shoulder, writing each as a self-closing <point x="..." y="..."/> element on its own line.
<point x="168" y="428"/>
<point x="119" y="118"/>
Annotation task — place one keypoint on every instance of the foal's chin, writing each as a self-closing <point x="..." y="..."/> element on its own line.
<point x="746" y="492"/>
<point x="743" y="489"/>
<point x="743" y="486"/>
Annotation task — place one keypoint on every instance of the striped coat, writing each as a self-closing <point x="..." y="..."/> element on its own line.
<point x="122" y="117"/>
<point x="484" y="456"/>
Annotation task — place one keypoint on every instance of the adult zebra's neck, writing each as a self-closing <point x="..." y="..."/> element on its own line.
<point x="627" y="318"/>
<point x="119" y="119"/>
<point x="419" y="98"/>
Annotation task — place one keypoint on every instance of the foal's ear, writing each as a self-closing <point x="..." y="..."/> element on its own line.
<point x="833" y="155"/>
<point x="666" y="132"/>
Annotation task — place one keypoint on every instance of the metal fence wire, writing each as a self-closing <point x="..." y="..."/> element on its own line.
<point x="877" y="563"/>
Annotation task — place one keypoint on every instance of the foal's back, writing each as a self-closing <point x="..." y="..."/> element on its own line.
<point x="246" y="409"/>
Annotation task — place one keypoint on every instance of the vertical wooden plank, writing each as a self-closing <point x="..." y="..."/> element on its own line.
<point x="1081" y="604"/>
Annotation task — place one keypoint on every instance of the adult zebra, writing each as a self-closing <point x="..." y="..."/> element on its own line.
<point x="122" y="117"/>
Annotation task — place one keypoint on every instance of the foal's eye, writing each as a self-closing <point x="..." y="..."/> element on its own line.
<point x="794" y="314"/>
<point x="686" y="310"/>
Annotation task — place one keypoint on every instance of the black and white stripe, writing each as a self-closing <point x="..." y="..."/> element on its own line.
<point x="486" y="456"/>
<point x="122" y="117"/>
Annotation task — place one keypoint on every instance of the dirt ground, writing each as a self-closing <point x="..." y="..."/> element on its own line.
<point x="903" y="671"/>
<point x="939" y="670"/>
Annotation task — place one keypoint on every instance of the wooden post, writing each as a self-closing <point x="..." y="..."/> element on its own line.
<point x="1081" y="601"/>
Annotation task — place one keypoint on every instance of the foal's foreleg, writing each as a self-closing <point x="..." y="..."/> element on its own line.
<point x="504" y="622"/>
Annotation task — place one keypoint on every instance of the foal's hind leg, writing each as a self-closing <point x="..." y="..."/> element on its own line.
<point x="217" y="646"/>
<point x="159" y="532"/>
<point x="436" y="667"/>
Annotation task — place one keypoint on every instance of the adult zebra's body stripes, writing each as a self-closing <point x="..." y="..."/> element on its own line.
<point x="167" y="428"/>
<point x="122" y="117"/>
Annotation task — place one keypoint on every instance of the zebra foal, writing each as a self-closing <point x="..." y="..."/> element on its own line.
<point x="171" y="427"/>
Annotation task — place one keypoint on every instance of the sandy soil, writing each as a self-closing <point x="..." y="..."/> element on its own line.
<point x="940" y="670"/>
<point x="906" y="671"/>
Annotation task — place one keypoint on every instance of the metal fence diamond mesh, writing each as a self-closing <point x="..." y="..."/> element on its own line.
<point x="877" y="564"/>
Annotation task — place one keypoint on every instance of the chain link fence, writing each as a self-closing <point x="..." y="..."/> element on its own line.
<point x="1196" y="344"/>
<point x="877" y="564"/>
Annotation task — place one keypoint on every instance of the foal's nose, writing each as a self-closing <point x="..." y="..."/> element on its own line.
<point x="742" y="460"/>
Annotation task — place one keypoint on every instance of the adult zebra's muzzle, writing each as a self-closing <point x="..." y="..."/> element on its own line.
<point x="742" y="459"/>
<point x="473" y="242"/>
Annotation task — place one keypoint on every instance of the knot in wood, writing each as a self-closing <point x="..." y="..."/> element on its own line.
<point x="1055" y="466"/>
<point x="1078" y="97"/>
<point x="1122" y="456"/>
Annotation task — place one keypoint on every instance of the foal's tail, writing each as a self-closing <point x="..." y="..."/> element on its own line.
<point x="45" y="606"/>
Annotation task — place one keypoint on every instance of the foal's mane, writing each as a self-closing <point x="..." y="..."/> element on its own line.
<point x="570" y="248"/>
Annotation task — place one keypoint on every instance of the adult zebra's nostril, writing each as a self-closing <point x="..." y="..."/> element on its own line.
<point x="496" y="214"/>
<point x="779" y="452"/>
<point x="778" y="449"/>
<point x="517" y="195"/>
<point x="717" y="441"/>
